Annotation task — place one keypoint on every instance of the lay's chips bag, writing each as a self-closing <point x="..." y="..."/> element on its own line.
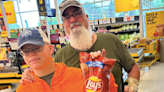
<point x="96" y="72"/>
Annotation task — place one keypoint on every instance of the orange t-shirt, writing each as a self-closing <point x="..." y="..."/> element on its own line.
<point x="65" y="79"/>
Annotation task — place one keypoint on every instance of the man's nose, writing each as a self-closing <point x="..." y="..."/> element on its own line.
<point x="72" y="19"/>
<point x="31" y="53"/>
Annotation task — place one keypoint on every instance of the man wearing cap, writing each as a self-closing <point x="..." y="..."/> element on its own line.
<point x="82" y="38"/>
<point x="36" y="50"/>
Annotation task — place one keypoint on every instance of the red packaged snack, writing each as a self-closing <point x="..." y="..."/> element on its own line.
<point x="96" y="73"/>
<point x="86" y="64"/>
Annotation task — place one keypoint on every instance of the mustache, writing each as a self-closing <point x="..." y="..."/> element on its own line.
<point x="74" y="24"/>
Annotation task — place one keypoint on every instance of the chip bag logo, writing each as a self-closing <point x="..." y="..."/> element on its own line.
<point x="94" y="84"/>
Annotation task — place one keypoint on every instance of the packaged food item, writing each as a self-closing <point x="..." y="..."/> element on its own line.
<point x="160" y="30"/>
<point x="96" y="72"/>
<point x="86" y="64"/>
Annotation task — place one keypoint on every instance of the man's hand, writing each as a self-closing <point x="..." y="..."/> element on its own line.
<point x="98" y="53"/>
<point x="132" y="85"/>
<point x="107" y="68"/>
<point x="126" y="89"/>
<point x="27" y="76"/>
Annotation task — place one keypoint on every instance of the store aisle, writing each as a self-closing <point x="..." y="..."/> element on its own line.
<point x="153" y="78"/>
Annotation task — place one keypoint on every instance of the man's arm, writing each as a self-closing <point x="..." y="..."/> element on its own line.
<point x="129" y="64"/>
<point x="134" y="72"/>
<point x="133" y="79"/>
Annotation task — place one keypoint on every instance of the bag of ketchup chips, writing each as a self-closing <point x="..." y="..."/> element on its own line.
<point x="96" y="72"/>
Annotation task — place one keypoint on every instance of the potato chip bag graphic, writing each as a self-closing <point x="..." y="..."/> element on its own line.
<point x="93" y="84"/>
<point x="95" y="72"/>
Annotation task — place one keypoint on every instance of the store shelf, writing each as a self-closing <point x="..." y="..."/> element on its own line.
<point x="130" y="31"/>
<point x="117" y="23"/>
<point x="139" y="59"/>
<point x="123" y="32"/>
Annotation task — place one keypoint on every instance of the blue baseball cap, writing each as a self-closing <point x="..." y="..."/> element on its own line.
<point x="32" y="36"/>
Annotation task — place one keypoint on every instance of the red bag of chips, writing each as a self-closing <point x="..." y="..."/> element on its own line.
<point x="95" y="72"/>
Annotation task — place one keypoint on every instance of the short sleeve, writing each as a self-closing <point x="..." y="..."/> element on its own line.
<point x="126" y="59"/>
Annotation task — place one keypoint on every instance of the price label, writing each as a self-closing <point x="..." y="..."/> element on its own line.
<point x="96" y="22"/>
<point x="91" y="23"/>
<point x="128" y="18"/>
<point x="50" y="26"/>
<point x="108" y="20"/>
<point x="55" y="26"/>
<point x="100" y="21"/>
<point x="113" y="20"/>
<point x="104" y="21"/>
<point x="60" y="26"/>
<point x="132" y="18"/>
<point x="125" y="19"/>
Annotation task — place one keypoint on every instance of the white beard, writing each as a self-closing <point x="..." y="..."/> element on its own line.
<point x="81" y="38"/>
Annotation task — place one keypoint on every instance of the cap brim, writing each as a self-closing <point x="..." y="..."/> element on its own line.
<point x="70" y="6"/>
<point x="33" y="42"/>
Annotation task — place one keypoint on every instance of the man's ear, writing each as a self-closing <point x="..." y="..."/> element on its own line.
<point x="51" y="49"/>
<point x="87" y="16"/>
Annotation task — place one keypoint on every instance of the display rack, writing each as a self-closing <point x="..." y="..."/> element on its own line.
<point x="136" y="53"/>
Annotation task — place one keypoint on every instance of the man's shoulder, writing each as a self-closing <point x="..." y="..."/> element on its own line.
<point x="106" y="35"/>
<point x="22" y="87"/>
<point x="68" y="72"/>
<point x="63" y="49"/>
<point x="63" y="66"/>
<point x="73" y="73"/>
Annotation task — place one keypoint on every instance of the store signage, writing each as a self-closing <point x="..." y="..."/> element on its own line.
<point x="96" y="22"/>
<point x="113" y="20"/>
<point x="91" y="22"/>
<point x="4" y="34"/>
<point x="55" y="26"/>
<point x="14" y="35"/>
<point x="50" y="26"/>
<point x="126" y="5"/>
<point x="3" y="55"/>
<point x="125" y="19"/>
<point x="108" y="20"/>
<point x="132" y="18"/>
<point x="100" y="21"/>
<point x="128" y="18"/>
<point x="60" y="26"/>
<point x="155" y="24"/>
<point x="13" y="43"/>
<point x="44" y="8"/>
<point x="10" y="12"/>
<point x="104" y="21"/>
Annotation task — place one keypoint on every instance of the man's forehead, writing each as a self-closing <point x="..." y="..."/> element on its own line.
<point x="70" y="10"/>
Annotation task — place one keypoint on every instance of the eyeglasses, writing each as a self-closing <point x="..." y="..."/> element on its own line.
<point x="35" y="49"/>
<point x="76" y="14"/>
